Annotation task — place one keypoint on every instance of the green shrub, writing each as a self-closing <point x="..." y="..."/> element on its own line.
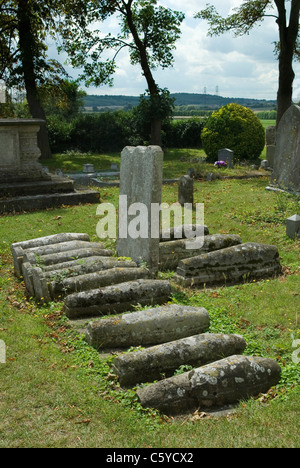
<point x="97" y="132"/>
<point x="183" y="133"/>
<point x="234" y="127"/>
<point x="59" y="133"/>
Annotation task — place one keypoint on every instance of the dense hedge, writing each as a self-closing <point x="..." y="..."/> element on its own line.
<point x="234" y="127"/>
<point x="112" y="131"/>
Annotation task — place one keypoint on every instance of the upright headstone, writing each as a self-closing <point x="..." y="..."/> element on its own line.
<point x="226" y="155"/>
<point x="286" y="172"/>
<point x="186" y="190"/>
<point x="88" y="168"/>
<point x="140" y="187"/>
<point x="293" y="226"/>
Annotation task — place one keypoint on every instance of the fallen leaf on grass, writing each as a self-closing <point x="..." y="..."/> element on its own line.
<point x="83" y="421"/>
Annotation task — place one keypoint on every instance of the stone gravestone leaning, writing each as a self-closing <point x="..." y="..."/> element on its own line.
<point x="226" y="155"/>
<point x="140" y="188"/>
<point x="286" y="171"/>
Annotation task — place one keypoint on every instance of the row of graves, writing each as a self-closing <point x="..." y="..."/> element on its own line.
<point x="101" y="290"/>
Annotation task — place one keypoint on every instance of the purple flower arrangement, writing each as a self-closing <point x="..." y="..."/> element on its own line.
<point x="220" y="164"/>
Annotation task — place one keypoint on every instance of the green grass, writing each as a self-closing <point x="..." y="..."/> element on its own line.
<point x="56" y="391"/>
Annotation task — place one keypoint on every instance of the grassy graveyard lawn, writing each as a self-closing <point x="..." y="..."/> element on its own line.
<point x="176" y="163"/>
<point x="57" y="392"/>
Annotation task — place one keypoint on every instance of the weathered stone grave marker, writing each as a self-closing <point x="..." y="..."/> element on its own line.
<point x="149" y="364"/>
<point x="286" y="172"/>
<point x="293" y="226"/>
<point x="24" y="185"/>
<point x="231" y="265"/>
<point x="140" y="188"/>
<point x="226" y="155"/>
<point x="186" y="190"/>
<point x="117" y="298"/>
<point x="222" y="382"/>
<point x="148" y="327"/>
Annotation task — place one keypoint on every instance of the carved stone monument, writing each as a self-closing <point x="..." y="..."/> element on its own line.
<point x="24" y="185"/>
<point x="19" y="151"/>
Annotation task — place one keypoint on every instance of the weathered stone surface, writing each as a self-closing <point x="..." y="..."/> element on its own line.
<point x="148" y="327"/>
<point x="19" y="189"/>
<point x="149" y="364"/>
<point x="54" y="239"/>
<point x="64" y="247"/>
<point x="59" y="257"/>
<point x="24" y="185"/>
<point x="235" y="264"/>
<point x="181" y="232"/>
<point x="170" y="253"/>
<point x="48" y="289"/>
<point x="186" y="190"/>
<point x="293" y="226"/>
<point x="47" y="200"/>
<point x="271" y="135"/>
<point x="19" y="150"/>
<point x="104" y="263"/>
<point x="117" y="298"/>
<point x="286" y="173"/>
<point x="226" y="155"/>
<point x="17" y="248"/>
<point x="140" y="182"/>
<point x="222" y="382"/>
<point x="73" y="268"/>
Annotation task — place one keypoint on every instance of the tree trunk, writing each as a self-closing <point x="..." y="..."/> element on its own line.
<point x="288" y="37"/>
<point x="152" y="86"/>
<point x="26" y="44"/>
<point x="285" y="88"/>
<point x="156" y="132"/>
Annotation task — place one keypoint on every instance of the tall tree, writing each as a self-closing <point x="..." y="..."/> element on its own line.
<point x="23" y="26"/>
<point x="243" y="20"/>
<point x="149" y="32"/>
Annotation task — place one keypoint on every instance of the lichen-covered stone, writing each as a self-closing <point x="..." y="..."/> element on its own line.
<point x="117" y="298"/>
<point x="220" y="383"/>
<point x="148" y="327"/>
<point x="18" y="248"/>
<point x="61" y="286"/>
<point x="149" y="364"/>
<point x="170" y="253"/>
<point x="60" y="257"/>
<point x="231" y="265"/>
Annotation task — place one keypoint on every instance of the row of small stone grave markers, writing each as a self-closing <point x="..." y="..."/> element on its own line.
<point x="64" y="265"/>
<point x="174" y="333"/>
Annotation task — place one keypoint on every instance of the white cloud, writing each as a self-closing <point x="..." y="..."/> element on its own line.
<point x="240" y="67"/>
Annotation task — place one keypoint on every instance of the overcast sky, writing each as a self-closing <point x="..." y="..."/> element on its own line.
<point x="242" y="67"/>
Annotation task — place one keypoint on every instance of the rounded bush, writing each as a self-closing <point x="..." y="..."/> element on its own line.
<point x="234" y="127"/>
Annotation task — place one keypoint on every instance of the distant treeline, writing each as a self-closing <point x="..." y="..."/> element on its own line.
<point x="198" y="101"/>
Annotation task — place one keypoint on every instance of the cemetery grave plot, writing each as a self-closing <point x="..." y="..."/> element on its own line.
<point x="172" y="335"/>
<point x="92" y="282"/>
<point x="24" y="184"/>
